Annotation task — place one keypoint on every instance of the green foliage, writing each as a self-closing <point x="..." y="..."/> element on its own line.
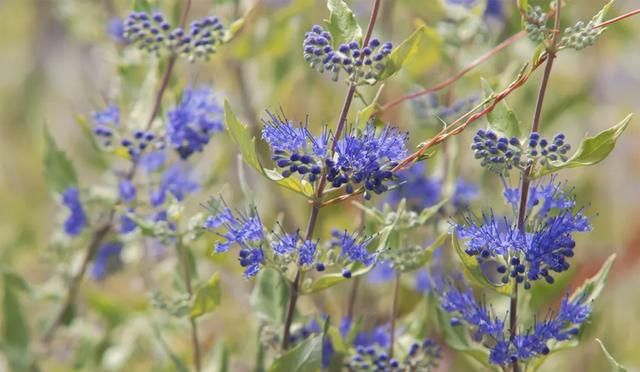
<point x="363" y="116"/>
<point x="15" y="329"/>
<point x="615" y="366"/>
<point x="399" y="55"/>
<point x="342" y="23"/>
<point x="305" y="357"/>
<point x="329" y="280"/>
<point x="592" y="287"/>
<point x="59" y="170"/>
<point x="241" y="135"/>
<point x="270" y="296"/>
<point x="207" y="297"/>
<point x="502" y="118"/>
<point x="474" y="273"/>
<point x="592" y="150"/>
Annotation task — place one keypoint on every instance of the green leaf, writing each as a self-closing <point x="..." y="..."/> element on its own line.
<point x="363" y="116"/>
<point x="593" y="286"/>
<point x="592" y="150"/>
<point x="305" y="357"/>
<point x="220" y="358"/>
<point x="473" y="272"/>
<point x="342" y="23"/>
<point x="15" y="329"/>
<point x="329" y="280"/>
<point x="141" y="6"/>
<point x="615" y="366"/>
<point x="175" y="359"/>
<point x="241" y="135"/>
<point x="502" y="119"/>
<point x="59" y="171"/>
<point x="270" y="296"/>
<point x="400" y="54"/>
<point x="207" y="297"/>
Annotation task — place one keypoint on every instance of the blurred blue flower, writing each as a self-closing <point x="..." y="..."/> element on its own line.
<point x="107" y="259"/>
<point x="178" y="181"/>
<point x="115" y="30"/>
<point x="126" y="190"/>
<point x="381" y="273"/>
<point x="77" y="220"/>
<point x="191" y="123"/>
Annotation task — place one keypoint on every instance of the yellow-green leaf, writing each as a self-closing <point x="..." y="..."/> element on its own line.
<point x="207" y="297"/>
<point x="592" y="150"/>
<point x="400" y="54"/>
<point x="342" y="23"/>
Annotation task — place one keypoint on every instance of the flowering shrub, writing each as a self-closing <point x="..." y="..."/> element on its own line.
<point x="412" y="257"/>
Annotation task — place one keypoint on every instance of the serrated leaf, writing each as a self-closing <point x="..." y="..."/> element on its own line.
<point x="270" y="296"/>
<point x="59" y="171"/>
<point x="342" y="23"/>
<point x="305" y="357"/>
<point x="502" y="118"/>
<point x="592" y="150"/>
<point x="207" y="297"/>
<point x="400" y="54"/>
<point x="363" y="116"/>
<point x="615" y="366"/>
<point x="329" y="280"/>
<point x="241" y="135"/>
<point x="15" y="329"/>
<point x="473" y="272"/>
<point x="593" y="286"/>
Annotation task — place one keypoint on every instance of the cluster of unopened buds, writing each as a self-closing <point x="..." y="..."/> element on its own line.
<point x="536" y="24"/>
<point x="580" y="36"/>
<point x="152" y="33"/>
<point x="500" y="153"/>
<point x="361" y="64"/>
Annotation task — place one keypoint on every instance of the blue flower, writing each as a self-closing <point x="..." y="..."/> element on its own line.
<point x="381" y="273"/>
<point x="286" y="244"/>
<point x="535" y="253"/>
<point x="105" y="122"/>
<point x="463" y="304"/>
<point x="494" y="9"/>
<point x="127" y="224"/>
<point x="464" y="193"/>
<point x="107" y="260"/>
<point x="252" y="260"/>
<point x="126" y="190"/>
<point x="115" y="30"/>
<point x="284" y="136"/>
<point x="77" y="220"/>
<point x="245" y="229"/>
<point x="367" y="158"/>
<point x="307" y="253"/>
<point x="177" y="181"/>
<point x="419" y="190"/>
<point x="353" y="247"/>
<point x="192" y="122"/>
<point x="152" y="161"/>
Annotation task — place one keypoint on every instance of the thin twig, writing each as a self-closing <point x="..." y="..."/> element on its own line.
<point x="394" y="313"/>
<point x="186" y="268"/>
<point x="524" y="191"/>
<point x="498" y="48"/>
<point x="315" y="208"/>
<point x="101" y="233"/>
<point x="616" y="19"/>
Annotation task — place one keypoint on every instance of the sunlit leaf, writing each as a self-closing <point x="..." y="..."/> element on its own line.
<point x="400" y="54"/>
<point x="474" y="273"/>
<point x="329" y="280"/>
<point x="615" y="366"/>
<point x="502" y="119"/>
<point x="592" y="287"/>
<point x="342" y="23"/>
<point x="59" y="171"/>
<point x="592" y="150"/>
<point x="242" y="136"/>
<point x="207" y="297"/>
<point x="305" y="357"/>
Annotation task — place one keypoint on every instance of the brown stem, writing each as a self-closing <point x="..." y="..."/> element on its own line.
<point x="317" y="204"/>
<point x="101" y="233"/>
<point x="616" y="19"/>
<point x="498" y="48"/>
<point x="524" y="190"/>
<point x="394" y="313"/>
<point x="353" y="294"/>
<point x="186" y="269"/>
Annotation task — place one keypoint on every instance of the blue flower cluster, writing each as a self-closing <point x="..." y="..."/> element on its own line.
<point x="500" y="153"/>
<point x="361" y="64"/>
<point x="191" y="123"/>
<point x="490" y="328"/>
<point x="537" y="252"/>
<point x="152" y="33"/>
<point x="107" y="129"/>
<point x="246" y="230"/>
<point x="77" y="220"/>
<point x="107" y="260"/>
<point x="362" y="158"/>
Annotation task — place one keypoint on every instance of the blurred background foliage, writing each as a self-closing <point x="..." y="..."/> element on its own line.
<point x="58" y="64"/>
